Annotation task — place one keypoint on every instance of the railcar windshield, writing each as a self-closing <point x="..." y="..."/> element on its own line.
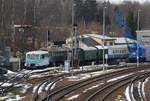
<point x="33" y="56"/>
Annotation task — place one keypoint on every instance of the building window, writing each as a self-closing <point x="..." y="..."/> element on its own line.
<point x="113" y="51"/>
<point x="105" y="43"/>
<point x="111" y="43"/>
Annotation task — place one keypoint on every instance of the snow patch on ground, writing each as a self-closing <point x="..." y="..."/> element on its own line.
<point x="11" y="72"/>
<point x="92" y="87"/>
<point x="127" y="94"/>
<point x="120" y="77"/>
<point x="139" y="90"/>
<point x="35" y="88"/>
<point x="73" y="97"/>
<point x="41" y="88"/>
<point x="3" y="98"/>
<point x="32" y="76"/>
<point x="41" y="70"/>
<point x="11" y="98"/>
<point x="143" y="86"/>
<point x="79" y="77"/>
<point x="5" y="84"/>
<point x="18" y="97"/>
<point x="88" y="75"/>
<point x="132" y="92"/>
<point x="48" y="86"/>
<point x="25" y="88"/>
<point x="53" y="86"/>
<point x="36" y="76"/>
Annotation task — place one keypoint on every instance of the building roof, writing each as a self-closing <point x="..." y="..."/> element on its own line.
<point x="88" y="48"/>
<point x="118" y="46"/>
<point x="54" y="49"/>
<point x="122" y="40"/>
<point x="101" y="47"/>
<point x="89" y="41"/>
<point x="143" y="31"/>
<point x="37" y="52"/>
<point x="100" y="36"/>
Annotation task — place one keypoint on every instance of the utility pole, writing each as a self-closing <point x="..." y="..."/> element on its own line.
<point x="2" y="43"/>
<point x="2" y="20"/>
<point x="2" y="16"/>
<point x="13" y="23"/>
<point x="138" y="28"/>
<point x="34" y="24"/>
<point x="25" y="12"/>
<point x="72" y="35"/>
<point x="104" y="8"/>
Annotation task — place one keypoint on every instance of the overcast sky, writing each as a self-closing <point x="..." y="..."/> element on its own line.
<point x="119" y="1"/>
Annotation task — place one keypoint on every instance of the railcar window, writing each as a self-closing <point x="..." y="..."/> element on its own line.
<point x="120" y="51"/>
<point x="123" y="51"/>
<point x="116" y="51"/>
<point x="113" y="51"/>
<point x="43" y="56"/>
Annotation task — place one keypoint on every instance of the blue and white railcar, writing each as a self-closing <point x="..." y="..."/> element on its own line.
<point x="37" y="58"/>
<point x="118" y="52"/>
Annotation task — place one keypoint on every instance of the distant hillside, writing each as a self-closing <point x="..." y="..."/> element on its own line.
<point x="56" y="15"/>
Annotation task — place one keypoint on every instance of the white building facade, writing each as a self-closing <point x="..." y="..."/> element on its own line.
<point x="143" y="36"/>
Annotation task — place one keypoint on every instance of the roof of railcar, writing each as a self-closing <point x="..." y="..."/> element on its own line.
<point x="55" y="49"/>
<point x="37" y="52"/>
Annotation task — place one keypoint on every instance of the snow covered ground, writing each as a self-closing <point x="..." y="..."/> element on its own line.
<point x="120" y="77"/>
<point x="11" y="97"/>
<point x="15" y="95"/>
<point x="88" y="75"/>
<point x="73" y="97"/>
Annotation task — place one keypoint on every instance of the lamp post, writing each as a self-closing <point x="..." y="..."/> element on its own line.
<point x="12" y="27"/>
<point x="138" y="28"/>
<point x="104" y="36"/>
<point x="72" y="35"/>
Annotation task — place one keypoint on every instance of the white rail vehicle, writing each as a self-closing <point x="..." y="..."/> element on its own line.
<point x="37" y="58"/>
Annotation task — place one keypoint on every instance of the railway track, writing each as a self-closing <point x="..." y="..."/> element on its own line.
<point x="50" y="82"/>
<point x="137" y="92"/>
<point x="61" y="93"/>
<point x="141" y="90"/>
<point x="16" y="79"/>
<point x="104" y="92"/>
<point x="54" y="80"/>
<point x="47" y="87"/>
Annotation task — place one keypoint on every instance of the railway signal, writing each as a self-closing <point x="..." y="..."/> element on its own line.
<point x="104" y="8"/>
<point x="48" y="37"/>
<point x="138" y="28"/>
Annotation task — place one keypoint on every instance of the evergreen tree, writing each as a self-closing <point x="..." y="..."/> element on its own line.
<point x="90" y="11"/>
<point x="136" y="21"/>
<point x="99" y="17"/>
<point x="131" y="22"/>
<point x="79" y="10"/>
